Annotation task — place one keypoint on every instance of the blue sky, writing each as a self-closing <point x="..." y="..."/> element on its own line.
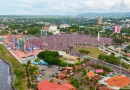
<point x="61" y="7"/>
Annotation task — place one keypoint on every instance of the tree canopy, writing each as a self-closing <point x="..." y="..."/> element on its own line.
<point x="51" y="57"/>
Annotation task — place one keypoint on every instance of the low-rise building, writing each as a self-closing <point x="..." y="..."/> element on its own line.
<point x="91" y="74"/>
<point x="64" y="26"/>
<point x="115" y="82"/>
<point x="52" y="28"/>
<point x="46" y="85"/>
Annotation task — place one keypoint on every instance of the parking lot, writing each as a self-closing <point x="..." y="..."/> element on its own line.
<point x="49" y="73"/>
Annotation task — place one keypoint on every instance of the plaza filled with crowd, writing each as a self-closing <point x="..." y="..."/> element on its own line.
<point x="68" y="41"/>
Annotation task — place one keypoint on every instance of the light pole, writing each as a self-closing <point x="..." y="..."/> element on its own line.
<point x="99" y="38"/>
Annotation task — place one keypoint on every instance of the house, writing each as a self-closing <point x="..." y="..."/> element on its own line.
<point x="64" y="26"/>
<point x="46" y="85"/>
<point x="79" y="67"/>
<point x="103" y="88"/>
<point x="69" y="68"/>
<point x="52" y="28"/>
<point x="91" y="74"/>
<point x="115" y="82"/>
<point x="62" y="75"/>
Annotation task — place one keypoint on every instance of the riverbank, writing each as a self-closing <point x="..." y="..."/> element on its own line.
<point x="11" y="73"/>
<point x="16" y="69"/>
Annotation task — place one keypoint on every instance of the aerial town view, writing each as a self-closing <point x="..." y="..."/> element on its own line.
<point x="65" y="45"/>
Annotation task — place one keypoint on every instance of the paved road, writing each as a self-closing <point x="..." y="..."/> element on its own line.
<point x="115" y="68"/>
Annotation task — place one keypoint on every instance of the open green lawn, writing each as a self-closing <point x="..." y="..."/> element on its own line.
<point x="19" y="82"/>
<point x="94" y="52"/>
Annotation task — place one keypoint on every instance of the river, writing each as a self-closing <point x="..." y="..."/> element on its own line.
<point x="5" y="76"/>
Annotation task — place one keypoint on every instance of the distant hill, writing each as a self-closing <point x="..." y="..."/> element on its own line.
<point x="126" y="14"/>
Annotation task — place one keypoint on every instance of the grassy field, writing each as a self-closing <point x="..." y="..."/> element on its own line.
<point x="94" y="52"/>
<point x="19" y="82"/>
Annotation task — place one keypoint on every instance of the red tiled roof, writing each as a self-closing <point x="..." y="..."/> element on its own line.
<point x="68" y="68"/>
<point x="91" y="74"/>
<point x="104" y="88"/>
<point x="66" y="86"/>
<point x="46" y="85"/>
<point x="119" y="81"/>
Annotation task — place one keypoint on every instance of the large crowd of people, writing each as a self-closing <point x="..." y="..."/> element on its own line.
<point x="64" y="41"/>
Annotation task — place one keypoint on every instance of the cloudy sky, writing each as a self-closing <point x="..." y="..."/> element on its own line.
<point x="61" y="7"/>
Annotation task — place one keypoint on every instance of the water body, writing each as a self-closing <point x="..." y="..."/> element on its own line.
<point x="5" y="76"/>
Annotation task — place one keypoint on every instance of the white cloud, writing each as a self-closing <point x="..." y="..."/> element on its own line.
<point x="63" y="6"/>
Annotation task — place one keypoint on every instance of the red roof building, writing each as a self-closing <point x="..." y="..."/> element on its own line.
<point x="118" y="81"/>
<point x="46" y="85"/>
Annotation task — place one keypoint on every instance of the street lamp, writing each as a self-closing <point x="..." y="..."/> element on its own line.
<point x="99" y="37"/>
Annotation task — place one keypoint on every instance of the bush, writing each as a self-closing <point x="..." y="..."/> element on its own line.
<point x="37" y="60"/>
<point x="51" y="80"/>
<point x="92" y="88"/>
<point x="84" y="51"/>
<point x="65" y="64"/>
<point x="34" y="86"/>
<point x="74" y="81"/>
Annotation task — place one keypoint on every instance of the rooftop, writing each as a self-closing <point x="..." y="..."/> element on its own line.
<point x="104" y="88"/>
<point x="46" y="85"/>
<point x="91" y="74"/>
<point x="118" y="81"/>
<point x="68" y="68"/>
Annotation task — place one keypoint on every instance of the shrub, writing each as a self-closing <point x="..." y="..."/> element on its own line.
<point x="37" y="60"/>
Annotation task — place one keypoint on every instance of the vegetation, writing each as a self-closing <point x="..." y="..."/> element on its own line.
<point x="51" y="80"/>
<point x="102" y="67"/>
<point x="74" y="81"/>
<point x="65" y="64"/>
<point x="84" y="51"/>
<point x="84" y="72"/>
<point x="112" y="60"/>
<point x="37" y="60"/>
<point x="53" y="58"/>
<point x="106" y="70"/>
<point x="93" y="51"/>
<point x="19" y="71"/>
<point x="30" y="69"/>
<point x="119" y="41"/>
<point x="92" y="88"/>
<point x="128" y="47"/>
<point x="49" y="33"/>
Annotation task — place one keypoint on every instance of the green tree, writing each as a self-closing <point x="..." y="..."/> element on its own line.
<point x="102" y="57"/>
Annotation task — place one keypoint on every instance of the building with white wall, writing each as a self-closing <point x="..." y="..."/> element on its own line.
<point x="64" y="26"/>
<point x="51" y="28"/>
